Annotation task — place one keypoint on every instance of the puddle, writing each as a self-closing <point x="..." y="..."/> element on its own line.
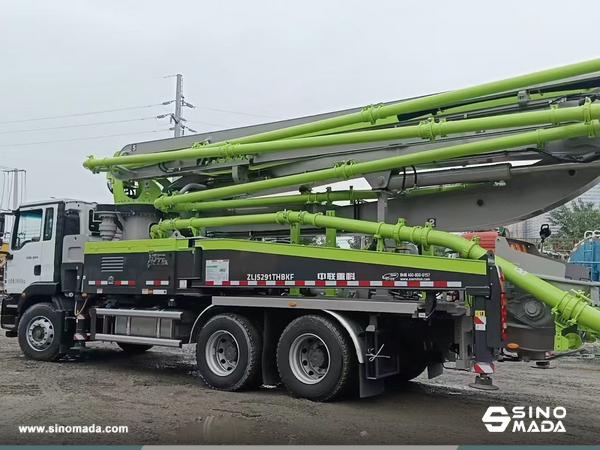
<point x="218" y="430"/>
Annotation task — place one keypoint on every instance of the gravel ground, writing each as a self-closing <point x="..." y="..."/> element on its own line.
<point x="160" y="398"/>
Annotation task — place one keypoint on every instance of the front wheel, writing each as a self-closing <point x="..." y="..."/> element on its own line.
<point x="38" y="333"/>
<point x="315" y="358"/>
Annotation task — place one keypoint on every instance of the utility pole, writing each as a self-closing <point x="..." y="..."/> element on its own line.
<point x="178" y="101"/>
<point x="176" y="118"/>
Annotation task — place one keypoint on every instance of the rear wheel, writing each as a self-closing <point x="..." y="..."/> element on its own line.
<point x="38" y="333"/>
<point x="228" y="352"/>
<point x="134" y="349"/>
<point x="315" y="358"/>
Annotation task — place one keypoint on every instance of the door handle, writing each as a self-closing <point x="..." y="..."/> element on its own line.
<point x="37" y="270"/>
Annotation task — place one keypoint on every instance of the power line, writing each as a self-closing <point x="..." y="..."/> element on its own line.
<point x="85" y="114"/>
<point x="78" y="126"/>
<point x="236" y="112"/>
<point x="206" y="123"/>
<point x="81" y="139"/>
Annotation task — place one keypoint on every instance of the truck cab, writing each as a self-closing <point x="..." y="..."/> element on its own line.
<point x="45" y="254"/>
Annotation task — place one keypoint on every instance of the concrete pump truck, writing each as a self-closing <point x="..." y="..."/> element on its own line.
<point x="196" y="250"/>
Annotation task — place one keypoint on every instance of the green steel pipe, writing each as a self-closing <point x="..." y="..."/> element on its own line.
<point x="195" y="222"/>
<point x="311" y="197"/>
<point x="425" y="130"/>
<point x="573" y="309"/>
<point x="373" y="113"/>
<point x="483" y="104"/>
<point x="180" y="224"/>
<point x="348" y="170"/>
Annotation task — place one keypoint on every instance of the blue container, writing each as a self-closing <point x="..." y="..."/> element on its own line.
<point x="587" y="253"/>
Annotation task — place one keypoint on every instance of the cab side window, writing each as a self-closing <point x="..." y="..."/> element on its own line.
<point x="29" y="228"/>
<point x="48" y="224"/>
<point x="72" y="222"/>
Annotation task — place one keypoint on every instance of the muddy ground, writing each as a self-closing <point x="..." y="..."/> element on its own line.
<point x="160" y="397"/>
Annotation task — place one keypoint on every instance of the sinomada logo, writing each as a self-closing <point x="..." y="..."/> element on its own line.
<point x="527" y="419"/>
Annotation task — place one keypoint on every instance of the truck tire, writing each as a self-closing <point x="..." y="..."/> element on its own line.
<point x="315" y="358"/>
<point x="37" y="333"/>
<point x="413" y="361"/>
<point x="229" y="352"/>
<point x="134" y="349"/>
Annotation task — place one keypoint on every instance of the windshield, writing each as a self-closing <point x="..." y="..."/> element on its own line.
<point x="29" y="228"/>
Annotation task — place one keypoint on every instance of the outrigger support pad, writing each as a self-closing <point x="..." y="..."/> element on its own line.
<point x="484" y="382"/>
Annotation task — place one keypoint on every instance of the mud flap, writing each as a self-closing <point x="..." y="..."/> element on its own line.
<point x="66" y="336"/>
<point x="271" y="333"/>
<point x="434" y="369"/>
<point x="367" y="387"/>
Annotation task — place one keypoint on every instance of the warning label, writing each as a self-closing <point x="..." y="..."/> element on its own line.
<point x="217" y="270"/>
<point x="480" y="322"/>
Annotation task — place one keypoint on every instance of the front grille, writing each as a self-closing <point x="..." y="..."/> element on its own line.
<point x="115" y="264"/>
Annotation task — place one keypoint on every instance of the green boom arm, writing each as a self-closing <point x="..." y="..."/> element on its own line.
<point x="371" y="114"/>
<point x="349" y="170"/>
<point x="426" y="130"/>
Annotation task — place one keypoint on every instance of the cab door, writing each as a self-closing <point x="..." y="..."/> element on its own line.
<point x="48" y="262"/>
<point x="24" y="266"/>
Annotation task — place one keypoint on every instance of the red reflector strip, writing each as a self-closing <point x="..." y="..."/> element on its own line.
<point x="157" y="282"/>
<point x="116" y="283"/>
<point x="125" y="283"/>
<point x="337" y="283"/>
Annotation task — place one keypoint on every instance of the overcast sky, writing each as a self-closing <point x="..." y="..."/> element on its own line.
<point x="269" y="58"/>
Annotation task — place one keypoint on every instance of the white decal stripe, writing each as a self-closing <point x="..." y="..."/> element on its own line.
<point x="414" y="283"/>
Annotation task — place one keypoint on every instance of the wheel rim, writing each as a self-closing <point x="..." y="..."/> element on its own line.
<point x="309" y="358"/>
<point x="40" y="333"/>
<point x="222" y="353"/>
